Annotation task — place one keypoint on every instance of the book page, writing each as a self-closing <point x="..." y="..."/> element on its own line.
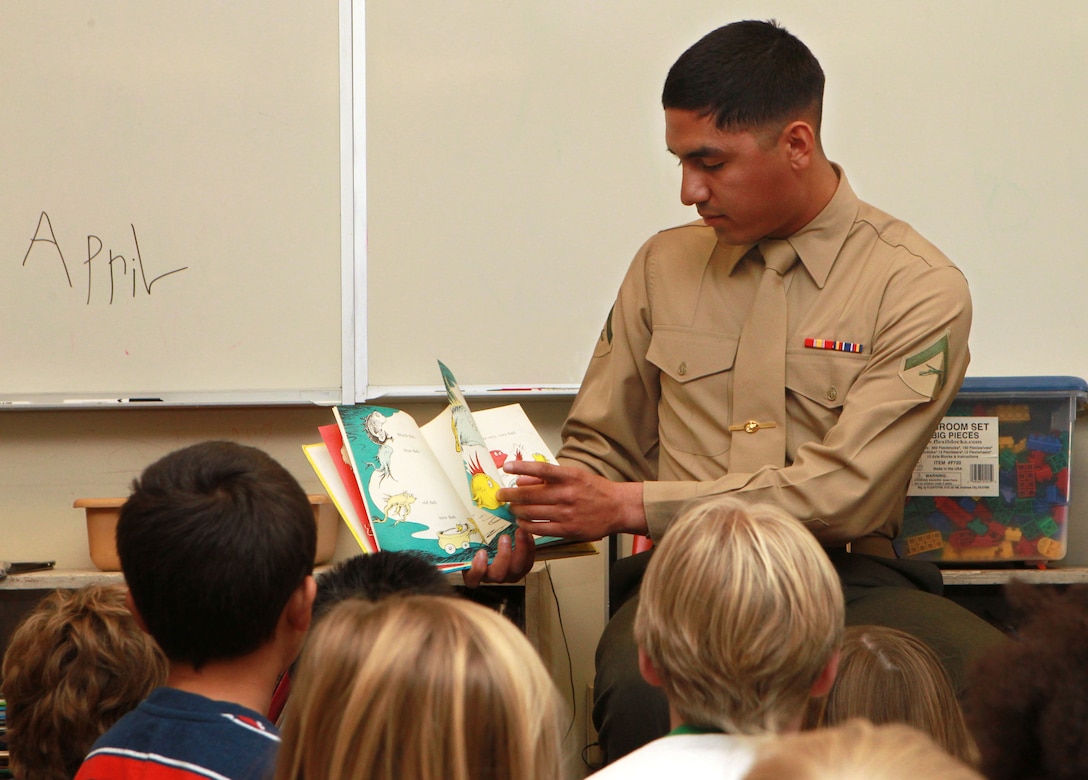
<point x="507" y="433"/>
<point x="471" y="470"/>
<point x="409" y="498"/>
<point x="510" y="435"/>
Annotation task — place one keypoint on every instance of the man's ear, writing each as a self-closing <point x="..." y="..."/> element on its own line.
<point x="800" y="140"/>
<point x="648" y="670"/>
<point x="826" y="679"/>
<point x="135" y="612"/>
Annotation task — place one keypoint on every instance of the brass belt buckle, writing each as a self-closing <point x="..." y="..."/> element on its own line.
<point x="751" y="426"/>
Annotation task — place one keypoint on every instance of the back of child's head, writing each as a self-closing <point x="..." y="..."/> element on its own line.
<point x="421" y="687"/>
<point x="213" y="541"/>
<point x="857" y="750"/>
<point x="889" y="676"/>
<point x="375" y="576"/>
<point x="740" y="613"/>
<point x="73" y="667"/>
<point x="1026" y="700"/>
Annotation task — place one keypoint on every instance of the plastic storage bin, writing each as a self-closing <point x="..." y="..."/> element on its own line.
<point x="993" y="483"/>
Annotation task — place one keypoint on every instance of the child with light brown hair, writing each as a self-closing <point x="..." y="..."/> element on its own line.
<point x="75" y="664"/>
<point x="423" y="687"/>
<point x="739" y="622"/>
<point x="889" y="676"/>
<point x="858" y="750"/>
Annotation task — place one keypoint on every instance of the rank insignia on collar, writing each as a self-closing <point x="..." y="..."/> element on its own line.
<point x="925" y="371"/>
<point x="838" y="346"/>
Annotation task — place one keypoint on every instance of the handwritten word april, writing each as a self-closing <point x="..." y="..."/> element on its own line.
<point x="129" y="269"/>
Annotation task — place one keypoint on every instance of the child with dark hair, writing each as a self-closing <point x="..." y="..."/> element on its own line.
<point x="1025" y="700"/>
<point x="377" y="575"/>
<point x="217" y="544"/>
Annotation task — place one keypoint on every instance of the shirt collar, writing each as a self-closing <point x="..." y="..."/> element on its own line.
<point x="818" y="243"/>
<point x="687" y="728"/>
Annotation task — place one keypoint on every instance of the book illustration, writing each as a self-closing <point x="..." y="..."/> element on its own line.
<point x="431" y="489"/>
<point x="398" y="507"/>
<point x="509" y="435"/>
<point x="411" y="500"/>
<point x="374" y="427"/>
<point x="483" y="476"/>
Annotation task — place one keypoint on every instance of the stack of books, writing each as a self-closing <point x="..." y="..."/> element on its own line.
<point x="428" y="488"/>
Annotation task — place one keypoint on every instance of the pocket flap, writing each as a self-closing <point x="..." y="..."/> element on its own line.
<point x="685" y="354"/>
<point x="823" y="377"/>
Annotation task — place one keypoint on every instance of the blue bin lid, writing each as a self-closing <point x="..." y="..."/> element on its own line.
<point x="1072" y="386"/>
<point x="1024" y="384"/>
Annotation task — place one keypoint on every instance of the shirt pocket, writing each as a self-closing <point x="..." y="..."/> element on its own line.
<point x="696" y="386"/>
<point x="818" y="381"/>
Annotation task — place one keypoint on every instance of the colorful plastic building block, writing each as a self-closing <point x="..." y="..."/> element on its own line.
<point x="923" y="543"/>
<point x="1025" y="479"/>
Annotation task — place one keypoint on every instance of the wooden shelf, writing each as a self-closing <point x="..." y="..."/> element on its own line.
<point x="59" y="578"/>
<point x="70" y="578"/>
<point x="1059" y="575"/>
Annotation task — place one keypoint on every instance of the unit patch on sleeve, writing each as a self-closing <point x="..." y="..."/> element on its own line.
<point x="925" y="371"/>
<point x="604" y="343"/>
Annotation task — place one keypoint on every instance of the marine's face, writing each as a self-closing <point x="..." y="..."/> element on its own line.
<point x="742" y="183"/>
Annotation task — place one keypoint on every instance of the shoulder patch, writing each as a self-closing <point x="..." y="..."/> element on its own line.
<point x="924" y="372"/>
<point x="604" y="343"/>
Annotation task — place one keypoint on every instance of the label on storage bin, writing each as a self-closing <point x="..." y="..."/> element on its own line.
<point x="960" y="459"/>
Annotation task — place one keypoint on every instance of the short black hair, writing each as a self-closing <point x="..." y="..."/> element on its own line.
<point x="378" y="575"/>
<point x="213" y="540"/>
<point x="747" y="75"/>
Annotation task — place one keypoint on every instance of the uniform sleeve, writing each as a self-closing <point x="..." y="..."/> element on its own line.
<point x="612" y="427"/>
<point x="852" y="481"/>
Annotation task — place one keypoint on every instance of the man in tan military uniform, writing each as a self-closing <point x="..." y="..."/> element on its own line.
<point x="876" y="348"/>
<point x="654" y="406"/>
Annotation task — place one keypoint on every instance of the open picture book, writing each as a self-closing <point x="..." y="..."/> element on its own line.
<point x="427" y="488"/>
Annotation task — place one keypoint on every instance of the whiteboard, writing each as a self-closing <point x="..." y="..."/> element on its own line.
<point x="516" y="161"/>
<point x="170" y="218"/>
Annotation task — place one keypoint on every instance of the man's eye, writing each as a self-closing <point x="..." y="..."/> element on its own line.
<point x="712" y="166"/>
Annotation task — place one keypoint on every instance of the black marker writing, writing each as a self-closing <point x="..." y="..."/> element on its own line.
<point x="52" y="239"/>
<point x="135" y="265"/>
<point x="116" y="263"/>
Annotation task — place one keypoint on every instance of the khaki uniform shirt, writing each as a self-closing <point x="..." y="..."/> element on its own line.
<point x="655" y="404"/>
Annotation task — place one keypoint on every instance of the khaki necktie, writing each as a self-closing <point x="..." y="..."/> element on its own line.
<point x="759" y="373"/>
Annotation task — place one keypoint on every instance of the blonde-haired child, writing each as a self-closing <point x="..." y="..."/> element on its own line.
<point x="889" y="676"/>
<point x="739" y="622"/>
<point x="858" y="750"/>
<point x="422" y="687"/>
